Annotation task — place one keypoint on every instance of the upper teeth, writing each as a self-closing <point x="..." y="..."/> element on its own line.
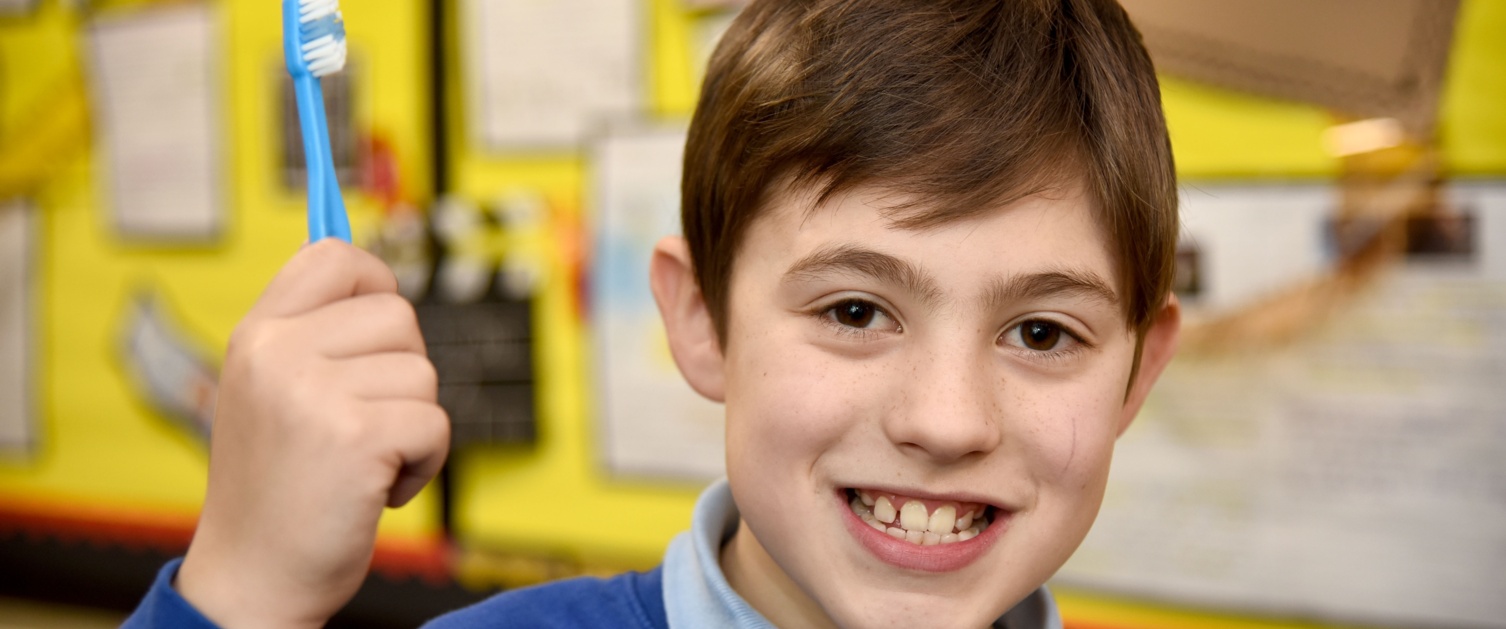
<point x="942" y="520"/>
<point x="914" y="524"/>
<point x="912" y="516"/>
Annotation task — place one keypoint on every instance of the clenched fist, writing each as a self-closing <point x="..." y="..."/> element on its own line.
<point x="327" y="413"/>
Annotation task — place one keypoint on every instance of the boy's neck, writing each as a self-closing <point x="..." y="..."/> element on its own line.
<point x="755" y="576"/>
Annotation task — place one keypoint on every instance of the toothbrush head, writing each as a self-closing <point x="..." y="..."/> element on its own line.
<point x="313" y="37"/>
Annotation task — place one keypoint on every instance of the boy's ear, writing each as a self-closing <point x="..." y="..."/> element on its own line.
<point x="1156" y="350"/>
<point x="687" y="321"/>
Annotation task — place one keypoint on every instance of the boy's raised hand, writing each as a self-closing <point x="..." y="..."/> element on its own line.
<point x="327" y="413"/>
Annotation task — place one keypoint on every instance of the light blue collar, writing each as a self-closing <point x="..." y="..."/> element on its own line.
<point x="696" y="593"/>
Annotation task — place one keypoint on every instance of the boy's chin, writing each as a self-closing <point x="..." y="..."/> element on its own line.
<point x="870" y="593"/>
<point x="907" y="610"/>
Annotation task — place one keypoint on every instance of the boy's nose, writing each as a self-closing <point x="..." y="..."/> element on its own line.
<point x="948" y="408"/>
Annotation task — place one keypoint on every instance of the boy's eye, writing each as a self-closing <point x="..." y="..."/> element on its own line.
<point x="854" y="314"/>
<point x="858" y="314"/>
<point x="1040" y="335"/>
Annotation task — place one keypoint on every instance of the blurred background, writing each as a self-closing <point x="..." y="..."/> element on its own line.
<point x="1329" y="450"/>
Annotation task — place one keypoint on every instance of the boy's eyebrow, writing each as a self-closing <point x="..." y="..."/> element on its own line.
<point x="855" y="259"/>
<point x="1000" y="293"/>
<point x="1031" y="286"/>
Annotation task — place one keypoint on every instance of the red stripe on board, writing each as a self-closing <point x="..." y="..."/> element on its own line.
<point x="427" y="559"/>
<point x="1078" y="624"/>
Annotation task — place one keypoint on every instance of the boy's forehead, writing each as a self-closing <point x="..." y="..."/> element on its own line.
<point x="857" y="229"/>
<point x="910" y="210"/>
<point x="790" y="210"/>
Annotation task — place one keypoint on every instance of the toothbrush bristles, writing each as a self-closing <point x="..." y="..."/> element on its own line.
<point x="310" y="10"/>
<point x="322" y="42"/>
<point x="322" y="33"/>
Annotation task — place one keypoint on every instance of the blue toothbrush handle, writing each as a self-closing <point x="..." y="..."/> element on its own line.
<point x="336" y="222"/>
<point x="326" y="208"/>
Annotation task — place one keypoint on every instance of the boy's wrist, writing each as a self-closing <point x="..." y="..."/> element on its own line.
<point x="232" y="603"/>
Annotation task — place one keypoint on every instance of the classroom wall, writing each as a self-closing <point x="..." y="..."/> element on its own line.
<point x="99" y="452"/>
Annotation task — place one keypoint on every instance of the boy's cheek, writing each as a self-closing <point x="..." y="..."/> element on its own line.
<point x="788" y="380"/>
<point x="795" y="410"/>
<point x="1069" y="435"/>
<point x="1075" y="441"/>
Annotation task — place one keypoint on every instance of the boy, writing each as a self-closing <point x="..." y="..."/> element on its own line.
<point x="926" y="261"/>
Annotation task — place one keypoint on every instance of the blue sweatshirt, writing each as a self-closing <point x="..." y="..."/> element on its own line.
<point x="687" y="590"/>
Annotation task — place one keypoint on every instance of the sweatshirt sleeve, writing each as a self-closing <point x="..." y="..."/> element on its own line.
<point x="164" y="607"/>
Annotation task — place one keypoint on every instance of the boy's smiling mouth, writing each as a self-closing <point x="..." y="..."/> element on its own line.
<point x="963" y="530"/>
<point x="919" y="521"/>
<point x="925" y="533"/>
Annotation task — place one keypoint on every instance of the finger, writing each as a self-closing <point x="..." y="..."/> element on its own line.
<point x="390" y="375"/>
<point x="420" y="434"/>
<point x="366" y="324"/>
<point x="324" y="272"/>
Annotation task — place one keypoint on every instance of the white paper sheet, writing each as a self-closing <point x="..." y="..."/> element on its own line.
<point x="1356" y="473"/>
<point x="1256" y="240"/>
<point x="155" y="79"/>
<point x="15" y="8"/>
<point x="539" y="74"/>
<point x="16" y="326"/>
<point x="653" y="424"/>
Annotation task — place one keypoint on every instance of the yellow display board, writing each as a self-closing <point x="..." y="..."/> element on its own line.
<point x="101" y="452"/>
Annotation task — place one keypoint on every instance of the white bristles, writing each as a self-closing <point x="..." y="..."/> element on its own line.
<point x="310" y="10"/>
<point x="322" y="42"/>
<point x="321" y="20"/>
<point x="327" y="60"/>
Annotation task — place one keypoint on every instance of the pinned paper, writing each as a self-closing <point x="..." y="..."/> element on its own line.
<point x="155" y="82"/>
<point x="653" y="424"/>
<point x="17" y="427"/>
<point x="539" y="74"/>
<point x="11" y="8"/>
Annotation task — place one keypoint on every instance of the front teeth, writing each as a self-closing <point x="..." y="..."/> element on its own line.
<point x="912" y="516"/>
<point x="942" y="520"/>
<point x="912" y="522"/>
<point x="883" y="510"/>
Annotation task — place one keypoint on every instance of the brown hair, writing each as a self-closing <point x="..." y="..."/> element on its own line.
<point x="963" y="105"/>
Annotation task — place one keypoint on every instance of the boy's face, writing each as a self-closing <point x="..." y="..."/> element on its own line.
<point x="979" y="367"/>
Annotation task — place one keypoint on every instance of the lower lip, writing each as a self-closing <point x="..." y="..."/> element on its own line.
<point x="903" y="554"/>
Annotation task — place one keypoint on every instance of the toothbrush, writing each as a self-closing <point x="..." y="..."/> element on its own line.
<point x="313" y="40"/>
